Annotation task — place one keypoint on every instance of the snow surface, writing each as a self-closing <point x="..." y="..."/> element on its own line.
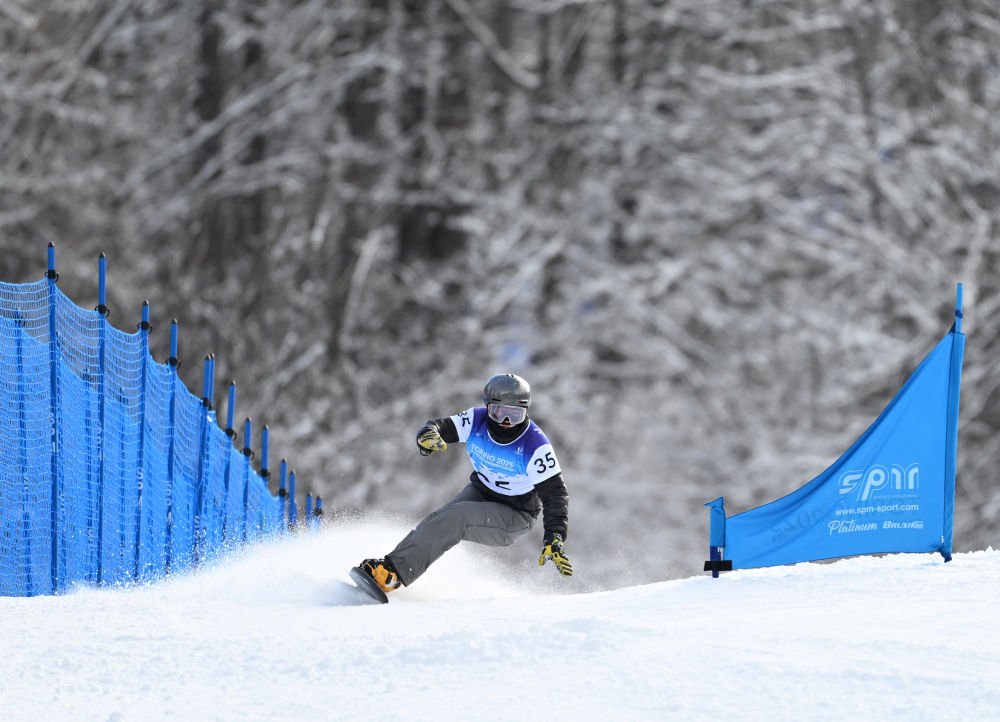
<point x="272" y="635"/>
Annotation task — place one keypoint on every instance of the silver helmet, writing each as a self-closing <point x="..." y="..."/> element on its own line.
<point x="507" y="389"/>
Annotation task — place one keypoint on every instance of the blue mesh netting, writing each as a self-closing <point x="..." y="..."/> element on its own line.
<point x="111" y="471"/>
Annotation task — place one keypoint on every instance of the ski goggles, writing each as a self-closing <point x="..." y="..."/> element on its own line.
<point x="503" y="414"/>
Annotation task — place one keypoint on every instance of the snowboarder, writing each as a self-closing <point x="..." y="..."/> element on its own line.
<point x="515" y="476"/>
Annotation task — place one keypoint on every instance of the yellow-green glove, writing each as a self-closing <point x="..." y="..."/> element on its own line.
<point x="553" y="550"/>
<point x="429" y="439"/>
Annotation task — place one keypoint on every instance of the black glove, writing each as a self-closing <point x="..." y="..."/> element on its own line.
<point x="429" y="440"/>
<point x="553" y="549"/>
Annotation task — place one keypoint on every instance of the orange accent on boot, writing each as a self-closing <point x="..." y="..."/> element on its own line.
<point x="386" y="580"/>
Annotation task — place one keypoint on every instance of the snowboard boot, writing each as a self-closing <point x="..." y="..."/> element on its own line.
<point x="382" y="571"/>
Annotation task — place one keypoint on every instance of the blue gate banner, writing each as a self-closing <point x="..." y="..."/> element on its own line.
<point x="893" y="490"/>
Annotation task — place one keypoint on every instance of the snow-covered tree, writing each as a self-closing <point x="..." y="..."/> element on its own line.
<point x="715" y="236"/>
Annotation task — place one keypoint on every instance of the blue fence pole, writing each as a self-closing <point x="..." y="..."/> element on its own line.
<point x="231" y="409"/>
<point x="102" y="309"/>
<point x="211" y="381"/>
<point x="102" y="285"/>
<point x="173" y="362"/>
<point x="206" y="384"/>
<point x="958" y="309"/>
<point x="293" y="510"/>
<point x="56" y="420"/>
<point x="248" y="455"/>
<point x="22" y="424"/>
<point x="951" y="441"/>
<point x="230" y="412"/>
<point x="144" y="327"/>
<point x="264" y="438"/>
<point x="717" y="538"/>
<point x="319" y="511"/>
<point x="309" y="511"/>
<point x="283" y="493"/>
<point x="265" y="472"/>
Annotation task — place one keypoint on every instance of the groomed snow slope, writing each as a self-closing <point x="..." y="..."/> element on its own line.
<point x="271" y="635"/>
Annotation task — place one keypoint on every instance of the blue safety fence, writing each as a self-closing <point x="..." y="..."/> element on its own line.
<point x="893" y="490"/>
<point x="111" y="471"/>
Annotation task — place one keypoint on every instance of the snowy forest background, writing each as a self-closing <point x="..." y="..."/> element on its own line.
<point x="716" y="236"/>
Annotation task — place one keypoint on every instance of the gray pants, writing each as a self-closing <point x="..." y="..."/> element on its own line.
<point x="466" y="517"/>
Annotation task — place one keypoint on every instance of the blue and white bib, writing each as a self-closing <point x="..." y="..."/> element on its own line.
<point x="510" y="469"/>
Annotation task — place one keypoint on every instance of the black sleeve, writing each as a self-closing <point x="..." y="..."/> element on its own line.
<point x="555" y="506"/>
<point x="445" y="427"/>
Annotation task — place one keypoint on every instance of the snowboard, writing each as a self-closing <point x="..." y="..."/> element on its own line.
<point x="368" y="585"/>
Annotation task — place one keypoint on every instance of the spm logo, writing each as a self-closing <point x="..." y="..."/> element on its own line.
<point x="878" y="478"/>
